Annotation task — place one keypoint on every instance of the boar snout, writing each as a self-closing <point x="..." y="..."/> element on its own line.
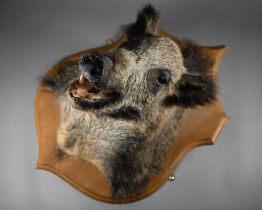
<point x="95" y="68"/>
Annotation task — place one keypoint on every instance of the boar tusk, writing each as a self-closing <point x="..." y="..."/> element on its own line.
<point x="81" y="80"/>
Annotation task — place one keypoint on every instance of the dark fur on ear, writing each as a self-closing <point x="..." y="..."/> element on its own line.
<point x="147" y="23"/>
<point x="195" y="59"/>
<point x="193" y="90"/>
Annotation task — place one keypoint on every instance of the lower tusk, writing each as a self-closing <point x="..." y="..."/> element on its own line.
<point x="81" y="80"/>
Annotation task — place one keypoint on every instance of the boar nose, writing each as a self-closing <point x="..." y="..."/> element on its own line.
<point x="93" y="67"/>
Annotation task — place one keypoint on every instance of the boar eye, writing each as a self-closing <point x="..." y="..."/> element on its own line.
<point x="163" y="77"/>
<point x="156" y="78"/>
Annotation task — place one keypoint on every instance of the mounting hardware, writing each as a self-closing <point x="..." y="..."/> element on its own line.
<point x="172" y="178"/>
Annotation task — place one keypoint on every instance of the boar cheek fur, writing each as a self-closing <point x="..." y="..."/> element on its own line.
<point x="129" y="140"/>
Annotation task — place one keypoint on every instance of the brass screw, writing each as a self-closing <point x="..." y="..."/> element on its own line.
<point x="109" y="41"/>
<point x="172" y="178"/>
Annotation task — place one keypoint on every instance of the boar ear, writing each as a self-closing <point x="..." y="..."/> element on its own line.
<point x="197" y="86"/>
<point x="147" y="23"/>
<point x="193" y="90"/>
<point x="196" y="59"/>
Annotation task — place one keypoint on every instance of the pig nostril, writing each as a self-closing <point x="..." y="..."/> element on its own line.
<point x="92" y="66"/>
<point x="96" y="73"/>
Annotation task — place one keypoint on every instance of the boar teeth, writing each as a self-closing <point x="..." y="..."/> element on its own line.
<point x="82" y="92"/>
<point x="81" y="80"/>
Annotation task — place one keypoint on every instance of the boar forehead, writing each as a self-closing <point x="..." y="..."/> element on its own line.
<point x="151" y="53"/>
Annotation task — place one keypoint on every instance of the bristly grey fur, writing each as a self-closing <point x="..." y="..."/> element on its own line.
<point x="127" y="140"/>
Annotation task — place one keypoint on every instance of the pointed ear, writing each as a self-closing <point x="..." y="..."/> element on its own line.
<point x="147" y="23"/>
<point x="196" y="59"/>
<point x="193" y="90"/>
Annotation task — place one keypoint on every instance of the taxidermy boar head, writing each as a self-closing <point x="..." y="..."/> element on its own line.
<point x="120" y="109"/>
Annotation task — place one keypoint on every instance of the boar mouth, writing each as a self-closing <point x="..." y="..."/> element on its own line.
<point x="83" y="94"/>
